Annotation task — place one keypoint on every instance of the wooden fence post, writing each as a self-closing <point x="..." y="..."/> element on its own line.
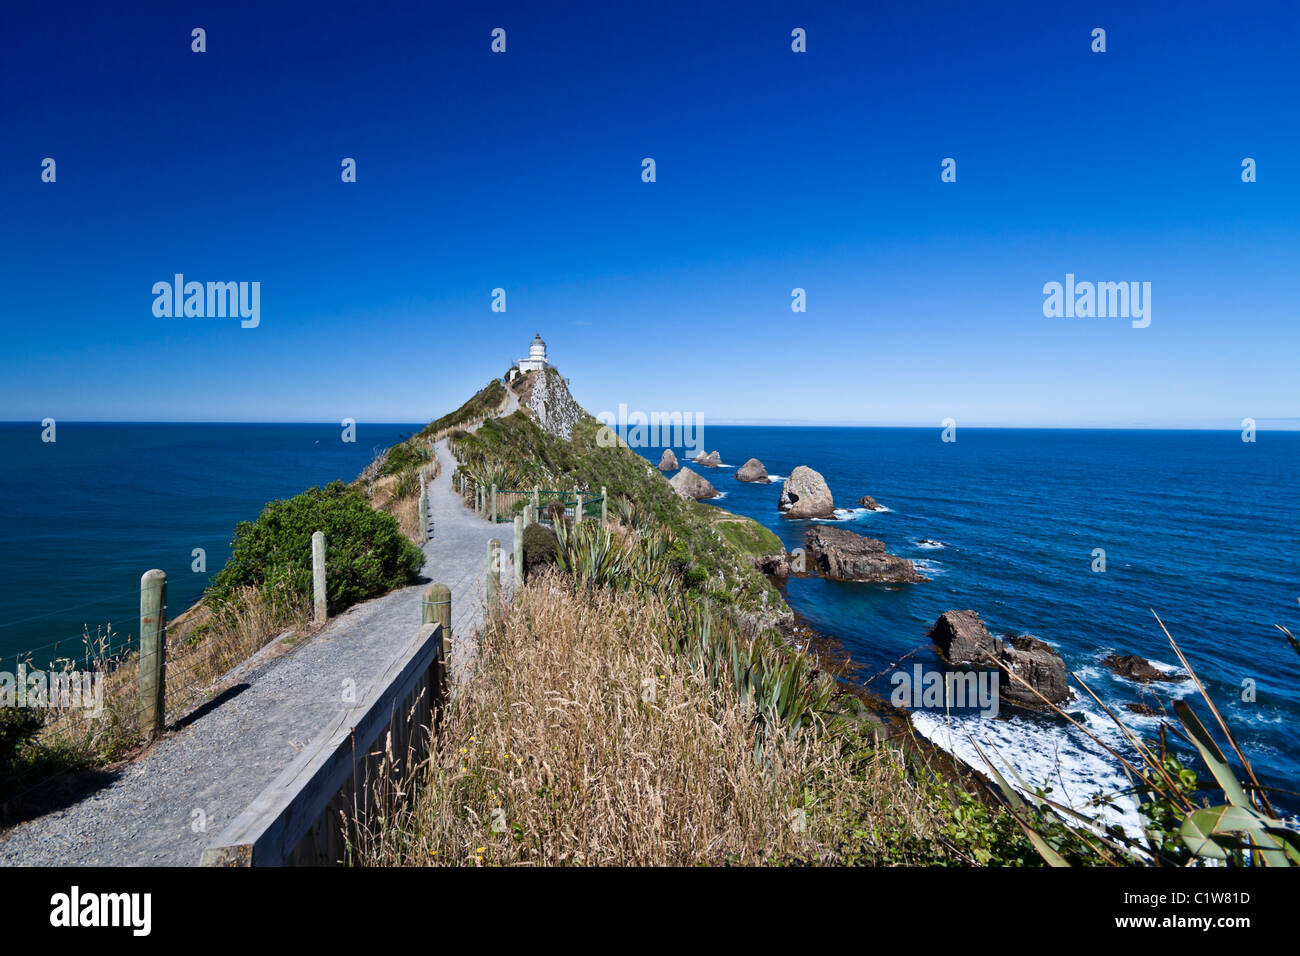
<point x="493" y="513"/>
<point x="519" y="550"/>
<point x="577" y="508"/>
<point x="319" y="613"/>
<point x="604" y="508"/>
<point x="436" y="609"/>
<point x="493" y="574"/>
<point x="153" y="651"/>
<point x="424" y="509"/>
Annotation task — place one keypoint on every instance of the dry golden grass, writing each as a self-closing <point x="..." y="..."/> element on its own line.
<point x="399" y="496"/>
<point x="202" y="645"/>
<point x="222" y="638"/>
<point x="582" y="738"/>
<point x="407" y="513"/>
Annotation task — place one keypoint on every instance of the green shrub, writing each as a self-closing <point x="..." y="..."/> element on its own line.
<point x="784" y="686"/>
<point x="27" y="758"/>
<point x="592" y="556"/>
<point x="17" y="725"/>
<point x="366" y="553"/>
<point x="540" y="548"/>
<point x="404" y="457"/>
<point x="408" y="485"/>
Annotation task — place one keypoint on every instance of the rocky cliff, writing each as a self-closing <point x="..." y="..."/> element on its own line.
<point x="545" y="397"/>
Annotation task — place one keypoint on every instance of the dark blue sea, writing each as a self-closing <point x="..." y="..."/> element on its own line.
<point x="81" y="518"/>
<point x="1197" y="526"/>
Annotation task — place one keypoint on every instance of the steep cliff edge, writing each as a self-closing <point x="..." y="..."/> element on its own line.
<point x="545" y="396"/>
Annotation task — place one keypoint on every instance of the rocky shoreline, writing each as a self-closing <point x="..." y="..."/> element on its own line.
<point x="1030" y="680"/>
<point x="1033" y="674"/>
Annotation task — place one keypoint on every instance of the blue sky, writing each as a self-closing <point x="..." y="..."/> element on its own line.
<point x="775" y="170"/>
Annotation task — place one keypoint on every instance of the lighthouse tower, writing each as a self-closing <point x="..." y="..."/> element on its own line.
<point x="536" y="360"/>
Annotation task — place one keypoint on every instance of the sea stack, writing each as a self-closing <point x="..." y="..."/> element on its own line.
<point x="669" y="461"/>
<point x="848" y="556"/>
<point x="870" y="503"/>
<point x="805" y="495"/>
<point x="962" y="638"/>
<point x="690" y="485"/>
<point x="752" y="470"/>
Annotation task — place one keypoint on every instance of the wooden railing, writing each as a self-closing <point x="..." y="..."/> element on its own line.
<point x="307" y="816"/>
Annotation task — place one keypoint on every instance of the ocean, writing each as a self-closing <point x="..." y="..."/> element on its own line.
<point x="1197" y="526"/>
<point x="81" y="518"/>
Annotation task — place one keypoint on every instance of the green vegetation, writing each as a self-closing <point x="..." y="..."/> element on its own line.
<point x="484" y="403"/>
<point x="366" y="552"/>
<point x="264" y="590"/>
<point x="540" y="549"/>
<point x="782" y="685"/>
<point x="28" y="756"/>
<point x="406" y="456"/>
<point x="596" y="557"/>
<point x="744" y="534"/>
<point x="713" y="547"/>
<point x="16" y="726"/>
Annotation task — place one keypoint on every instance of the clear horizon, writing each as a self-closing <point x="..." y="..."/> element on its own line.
<point x="1262" y="425"/>
<point x="775" y="171"/>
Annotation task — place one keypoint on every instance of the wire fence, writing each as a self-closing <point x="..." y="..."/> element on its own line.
<point x="550" y="503"/>
<point x="79" y="702"/>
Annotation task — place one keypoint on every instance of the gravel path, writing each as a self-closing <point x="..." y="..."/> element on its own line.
<point x="163" y="808"/>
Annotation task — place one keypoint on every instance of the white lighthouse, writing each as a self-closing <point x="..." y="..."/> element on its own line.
<point x="536" y="360"/>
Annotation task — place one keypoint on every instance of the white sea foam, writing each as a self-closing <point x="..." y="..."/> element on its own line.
<point x="1030" y="754"/>
<point x="777" y="477"/>
<point x="860" y="510"/>
<point x="846" y="514"/>
<point x="1163" y="667"/>
<point x="928" y="567"/>
<point x="929" y="544"/>
<point x="1089" y="673"/>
